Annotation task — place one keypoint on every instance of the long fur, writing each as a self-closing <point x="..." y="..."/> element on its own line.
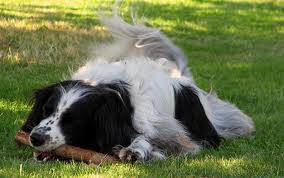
<point x="138" y="40"/>
<point x="137" y="100"/>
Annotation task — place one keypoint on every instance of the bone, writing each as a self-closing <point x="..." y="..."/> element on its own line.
<point x="72" y="152"/>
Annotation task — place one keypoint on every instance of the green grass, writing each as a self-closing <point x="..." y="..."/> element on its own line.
<point x="234" y="47"/>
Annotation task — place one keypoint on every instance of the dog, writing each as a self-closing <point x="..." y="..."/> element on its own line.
<point x="136" y="100"/>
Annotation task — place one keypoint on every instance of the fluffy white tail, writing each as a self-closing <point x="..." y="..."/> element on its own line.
<point x="139" y="40"/>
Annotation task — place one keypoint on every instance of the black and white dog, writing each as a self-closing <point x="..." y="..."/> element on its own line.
<point x="136" y="100"/>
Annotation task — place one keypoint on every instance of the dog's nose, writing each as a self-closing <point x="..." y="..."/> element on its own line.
<point x="37" y="139"/>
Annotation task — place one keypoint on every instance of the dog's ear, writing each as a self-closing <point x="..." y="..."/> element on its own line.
<point x="43" y="102"/>
<point x="113" y="118"/>
<point x="100" y="120"/>
<point x="39" y="99"/>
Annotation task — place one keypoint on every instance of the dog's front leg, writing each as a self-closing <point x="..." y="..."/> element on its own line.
<point x="139" y="150"/>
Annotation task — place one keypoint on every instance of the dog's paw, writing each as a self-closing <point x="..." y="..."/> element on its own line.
<point x="127" y="154"/>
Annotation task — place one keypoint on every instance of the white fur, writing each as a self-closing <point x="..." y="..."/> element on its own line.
<point x="135" y="40"/>
<point x="138" y="40"/>
<point x="152" y="95"/>
<point x="228" y="120"/>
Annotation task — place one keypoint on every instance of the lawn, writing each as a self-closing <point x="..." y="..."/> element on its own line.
<point x="234" y="47"/>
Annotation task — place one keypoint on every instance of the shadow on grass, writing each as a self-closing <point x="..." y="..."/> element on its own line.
<point x="209" y="26"/>
<point x="38" y="16"/>
<point x="45" y="45"/>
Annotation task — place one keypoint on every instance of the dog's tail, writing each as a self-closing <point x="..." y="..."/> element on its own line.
<point x="228" y="120"/>
<point x="139" y="40"/>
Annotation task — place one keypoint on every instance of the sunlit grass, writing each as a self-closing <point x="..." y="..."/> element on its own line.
<point x="13" y="106"/>
<point x="234" y="48"/>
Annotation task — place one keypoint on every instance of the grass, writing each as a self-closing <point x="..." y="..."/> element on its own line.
<point x="234" y="47"/>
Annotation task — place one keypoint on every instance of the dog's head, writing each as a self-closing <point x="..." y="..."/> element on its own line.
<point x="80" y="114"/>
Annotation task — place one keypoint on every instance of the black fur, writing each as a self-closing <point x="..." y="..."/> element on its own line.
<point x="98" y="121"/>
<point x="190" y="112"/>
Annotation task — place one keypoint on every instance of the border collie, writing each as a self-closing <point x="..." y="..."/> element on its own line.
<point x="136" y="100"/>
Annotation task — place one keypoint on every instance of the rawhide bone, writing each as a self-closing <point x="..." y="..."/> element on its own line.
<point x="72" y="152"/>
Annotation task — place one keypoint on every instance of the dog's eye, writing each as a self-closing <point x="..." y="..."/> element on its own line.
<point x="66" y="115"/>
<point x="49" y="107"/>
<point x="48" y="110"/>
